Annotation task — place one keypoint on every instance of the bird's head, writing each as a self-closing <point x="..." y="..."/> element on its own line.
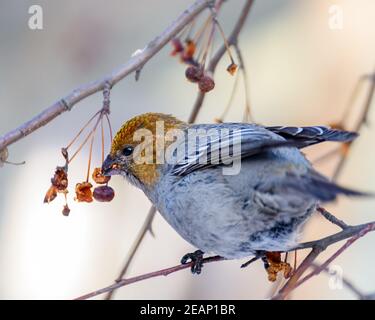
<point x="135" y="146"/>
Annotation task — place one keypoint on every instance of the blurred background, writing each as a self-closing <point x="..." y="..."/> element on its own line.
<point x="301" y="72"/>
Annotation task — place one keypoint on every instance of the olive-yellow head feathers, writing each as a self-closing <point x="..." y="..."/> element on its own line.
<point x="146" y="130"/>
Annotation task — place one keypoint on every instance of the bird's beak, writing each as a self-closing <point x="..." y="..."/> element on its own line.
<point x="110" y="167"/>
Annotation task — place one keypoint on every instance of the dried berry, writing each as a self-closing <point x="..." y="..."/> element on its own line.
<point x="66" y="210"/>
<point x="104" y="193"/>
<point x="206" y="84"/>
<point x="177" y="46"/>
<point x="337" y="126"/>
<point x="60" y="179"/>
<point x="189" y="48"/>
<point x="275" y="265"/>
<point x="83" y="192"/>
<point x="98" y="176"/>
<point x="232" y="68"/>
<point x="194" y="74"/>
<point x="51" y="194"/>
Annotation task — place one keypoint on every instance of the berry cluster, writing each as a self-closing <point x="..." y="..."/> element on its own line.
<point x="196" y="59"/>
<point x="83" y="190"/>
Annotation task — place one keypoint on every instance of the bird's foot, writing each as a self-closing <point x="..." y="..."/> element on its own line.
<point x="196" y="258"/>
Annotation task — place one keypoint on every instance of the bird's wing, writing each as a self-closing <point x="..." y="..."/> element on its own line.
<point x="312" y="135"/>
<point x="222" y="146"/>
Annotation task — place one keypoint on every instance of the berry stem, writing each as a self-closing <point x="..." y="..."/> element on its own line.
<point x="80" y="131"/>
<point x="224" y="39"/>
<point x="84" y="141"/>
<point x="198" y="36"/>
<point x="90" y="156"/>
<point x="231" y="98"/>
<point x="209" y="41"/>
<point x="102" y="132"/>
<point x="110" y="127"/>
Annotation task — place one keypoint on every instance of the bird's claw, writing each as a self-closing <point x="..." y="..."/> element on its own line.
<point x="196" y="258"/>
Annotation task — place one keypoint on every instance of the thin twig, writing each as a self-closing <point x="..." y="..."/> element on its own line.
<point x="163" y="272"/>
<point x="348" y="243"/>
<point x="248" y="117"/>
<point x="353" y="232"/>
<point x="331" y="218"/>
<point x="133" y="250"/>
<point x="361" y="122"/>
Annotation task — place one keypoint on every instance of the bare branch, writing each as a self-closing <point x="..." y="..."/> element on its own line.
<point x="331" y="218"/>
<point x="352" y="232"/>
<point x="362" y="122"/>
<point x="368" y="228"/>
<point x="135" y="63"/>
<point x="163" y="272"/>
<point x="318" y="246"/>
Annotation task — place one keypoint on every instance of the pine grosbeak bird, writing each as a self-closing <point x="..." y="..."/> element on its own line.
<point x="261" y="208"/>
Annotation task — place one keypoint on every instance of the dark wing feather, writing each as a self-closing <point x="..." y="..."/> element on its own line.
<point x="252" y="140"/>
<point x="313" y="135"/>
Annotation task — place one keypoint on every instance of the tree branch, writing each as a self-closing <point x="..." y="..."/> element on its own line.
<point x="135" y="63"/>
<point x="163" y="272"/>
<point x="331" y="218"/>
<point x="318" y="246"/>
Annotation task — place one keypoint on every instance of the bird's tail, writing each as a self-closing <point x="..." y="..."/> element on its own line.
<point x="321" y="188"/>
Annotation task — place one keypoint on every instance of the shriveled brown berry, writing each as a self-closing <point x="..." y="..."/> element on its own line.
<point x="189" y="48"/>
<point x="83" y="192"/>
<point x="66" y="210"/>
<point x="194" y="74"/>
<point x="104" y="193"/>
<point x="337" y="126"/>
<point x="98" y="176"/>
<point x="60" y="179"/>
<point x="232" y="68"/>
<point x="206" y="84"/>
<point x="177" y="46"/>
<point x="50" y="194"/>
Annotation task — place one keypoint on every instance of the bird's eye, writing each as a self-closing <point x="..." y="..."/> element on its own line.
<point x="127" y="151"/>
